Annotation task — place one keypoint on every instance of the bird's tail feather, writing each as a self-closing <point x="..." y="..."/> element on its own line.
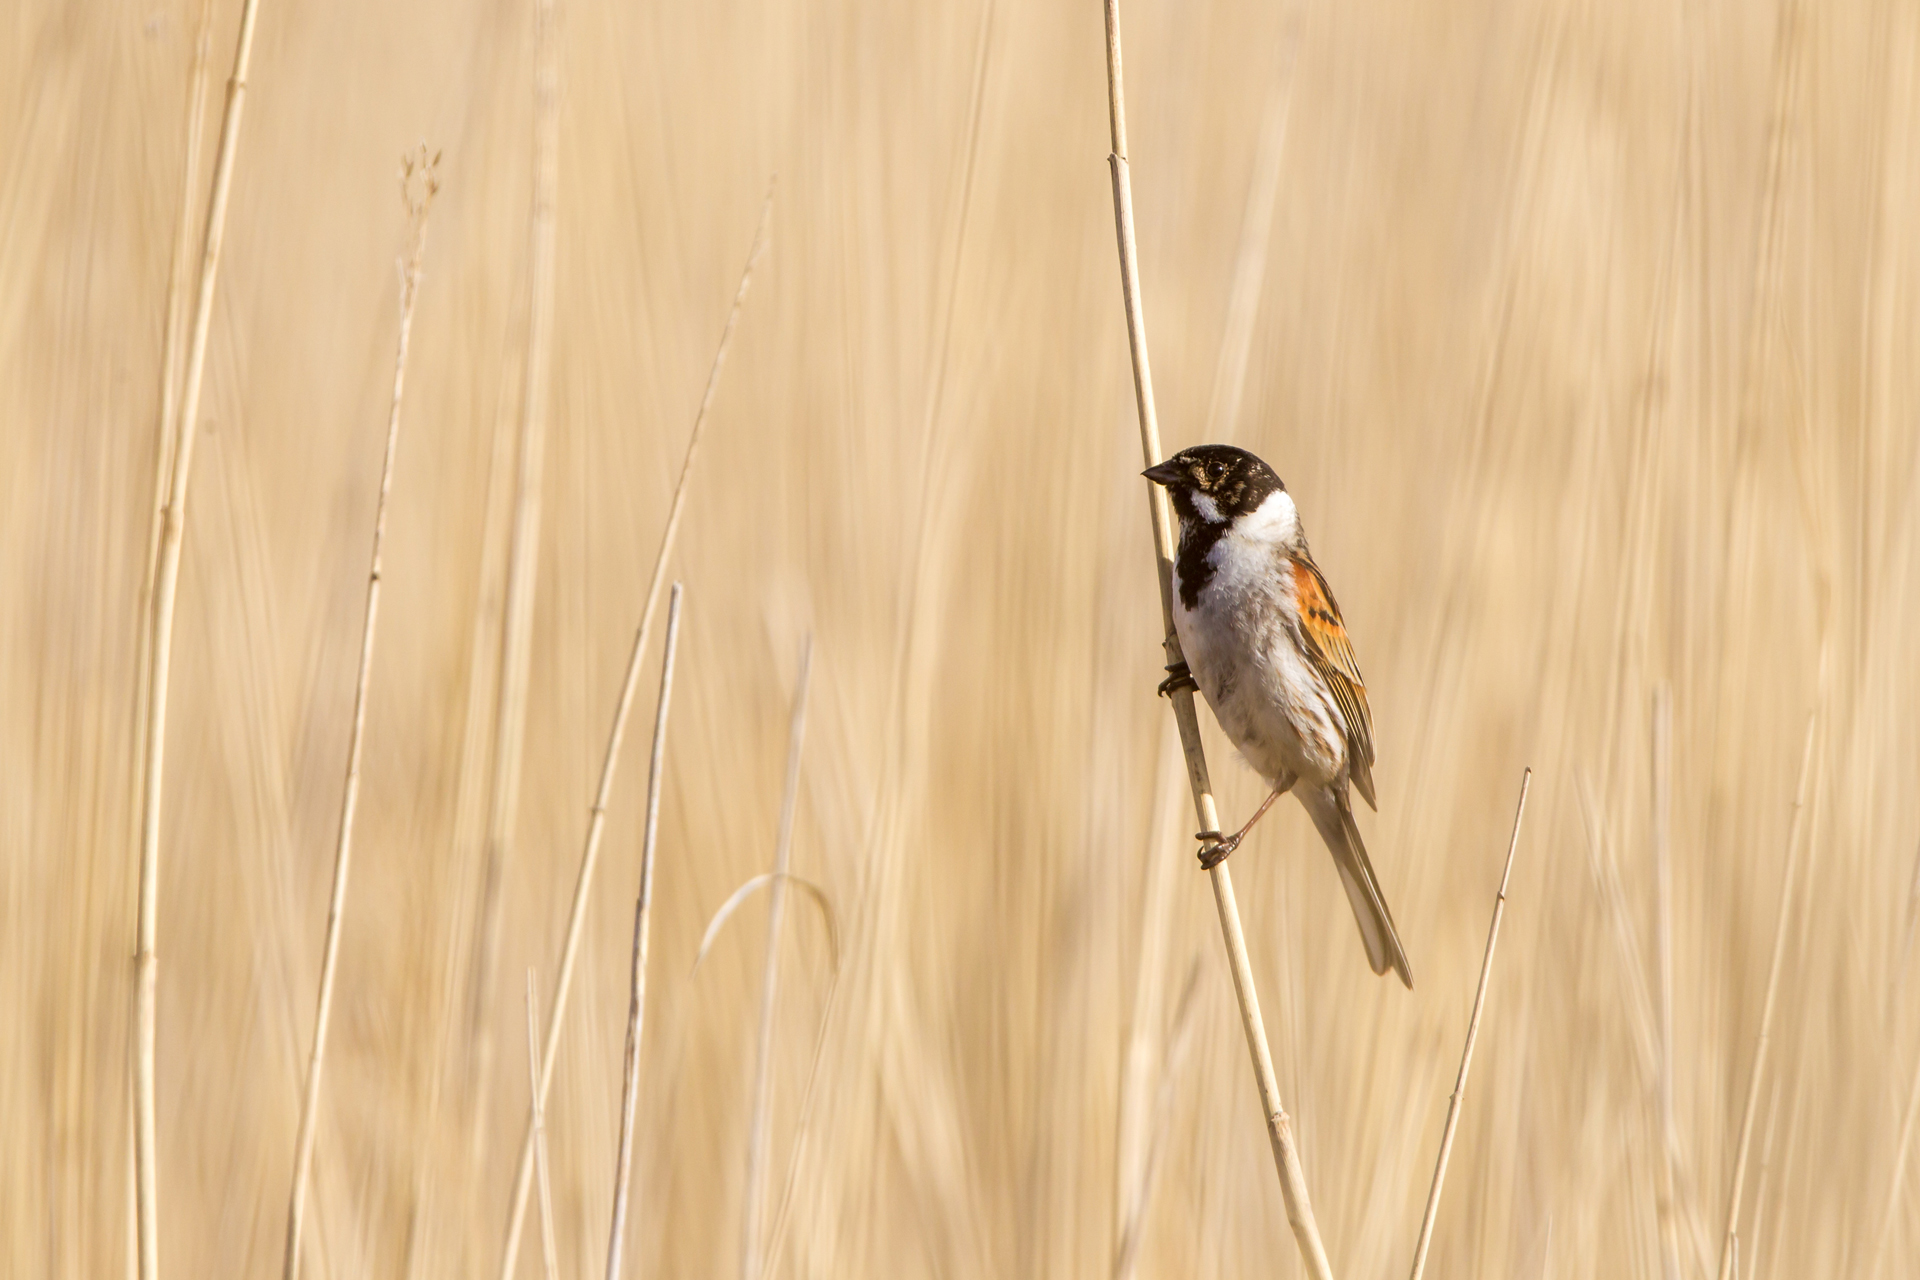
<point x="1333" y="815"/>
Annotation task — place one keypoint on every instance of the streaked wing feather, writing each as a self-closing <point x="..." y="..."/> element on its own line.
<point x="1331" y="653"/>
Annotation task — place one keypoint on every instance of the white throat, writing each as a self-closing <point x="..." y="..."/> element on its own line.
<point x="1274" y="520"/>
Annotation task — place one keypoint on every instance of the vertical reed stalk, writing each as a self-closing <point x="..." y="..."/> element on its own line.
<point x="416" y="207"/>
<point x="163" y="446"/>
<point x="1143" y="1056"/>
<point x="1729" y="1244"/>
<point x="1473" y="1033"/>
<point x="590" y="855"/>
<point x="1906" y="937"/>
<point x="165" y="594"/>
<point x="642" y="917"/>
<point x="804" y="1127"/>
<point x="1286" y="1158"/>
<point x="179" y="272"/>
<point x="1899" y="1180"/>
<point x="1663" y="959"/>
<point x="1133" y="1216"/>
<point x="549" y="1247"/>
<point x="770" y="981"/>
<point x="523" y="565"/>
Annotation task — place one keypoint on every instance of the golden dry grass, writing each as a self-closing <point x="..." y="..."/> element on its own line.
<point x="1583" y="339"/>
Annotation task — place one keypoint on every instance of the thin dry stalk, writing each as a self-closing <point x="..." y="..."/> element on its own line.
<point x="642" y="917"/>
<point x="179" y="272"/>
<point x="1133" y="1215"/>
<point x="160" y="646"/>
<point x="802" y="1130"/>
<point x="1769" y="286"/>
<point x="1133" y="1129"/>
<point x="1766" y="1175"/>
<point x="1663" y="959"/>
<point x="590" y="855"/>
<point x="549" y="1247"/>
<point x="181" y="266"/>
<point x="417" y="202"/>
<point x="523" y="565"/>
<point x="1293" y="1183"/>
<point x="1906" y="937"/>
<point x="1899" y="1180"/>
<point x="1613" y="895"/>
<point x="1473" y="1032"/>
<point x="1897" y="1184"/>
<point x="760" y="1124"/>
<point x="1727" y="1254"/>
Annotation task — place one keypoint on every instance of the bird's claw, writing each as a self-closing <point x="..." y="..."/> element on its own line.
<point x="1178" y="677"/>
<point x="1215" y="847"/>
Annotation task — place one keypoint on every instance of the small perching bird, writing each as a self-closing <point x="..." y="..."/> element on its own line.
<point x="1263" y="640"/>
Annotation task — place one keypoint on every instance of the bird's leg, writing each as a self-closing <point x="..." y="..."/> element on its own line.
<point x="1178" y="677"/>
<point x="1215" y="847"/>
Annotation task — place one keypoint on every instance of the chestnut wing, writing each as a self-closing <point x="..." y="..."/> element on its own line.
<point x="1331" y="653"/>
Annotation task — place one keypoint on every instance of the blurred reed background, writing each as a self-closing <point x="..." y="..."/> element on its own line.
<point x="1582" y="334"/>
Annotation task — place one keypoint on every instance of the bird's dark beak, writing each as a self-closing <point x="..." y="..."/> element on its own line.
<point x="1164" y="473"/>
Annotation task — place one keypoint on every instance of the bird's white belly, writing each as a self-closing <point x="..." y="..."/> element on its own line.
<point x="1272" y="705"/>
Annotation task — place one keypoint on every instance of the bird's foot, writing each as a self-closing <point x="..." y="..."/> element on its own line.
<point x="1178" y="677"/>
<point x="1215" y="847"/>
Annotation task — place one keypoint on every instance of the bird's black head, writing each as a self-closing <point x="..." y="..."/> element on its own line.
<point x="1213" y="483"/>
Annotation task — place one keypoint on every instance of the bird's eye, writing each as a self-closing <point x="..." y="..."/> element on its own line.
<point x="1216" y="471"/>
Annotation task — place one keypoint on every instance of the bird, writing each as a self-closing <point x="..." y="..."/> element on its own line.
<point x="1263" y="640"/>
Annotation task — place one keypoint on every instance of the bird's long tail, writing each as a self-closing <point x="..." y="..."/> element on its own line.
<point x="1333" y="815"/>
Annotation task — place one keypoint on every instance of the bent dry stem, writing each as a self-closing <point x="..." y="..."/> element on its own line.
<point x="165" y="594"/>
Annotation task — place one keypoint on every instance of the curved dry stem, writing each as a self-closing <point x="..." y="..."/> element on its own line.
<point x="173" y="527"/>
<point x="766" y="878"/>
<point x="179" y="272"/>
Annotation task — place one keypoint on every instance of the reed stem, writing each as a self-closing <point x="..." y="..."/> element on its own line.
<point x="523" y="563"/>
<point x="1286" y="1157"/>
<point x="1729" y="1246"/>
<point x="590" y="855"/>
<point x="760" y="1124"/>
<point x="549" y="1247"/>
<point x="423" y="167"/>
<point x="173" y="528"/>
<point x="642" y="917"/>
<point x="1473" y="1033"/>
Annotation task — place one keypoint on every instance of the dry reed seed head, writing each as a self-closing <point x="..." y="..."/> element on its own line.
<point x="419" y="182"/>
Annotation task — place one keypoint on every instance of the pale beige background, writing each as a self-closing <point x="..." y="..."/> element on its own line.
<point x="1583" y="336"/>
